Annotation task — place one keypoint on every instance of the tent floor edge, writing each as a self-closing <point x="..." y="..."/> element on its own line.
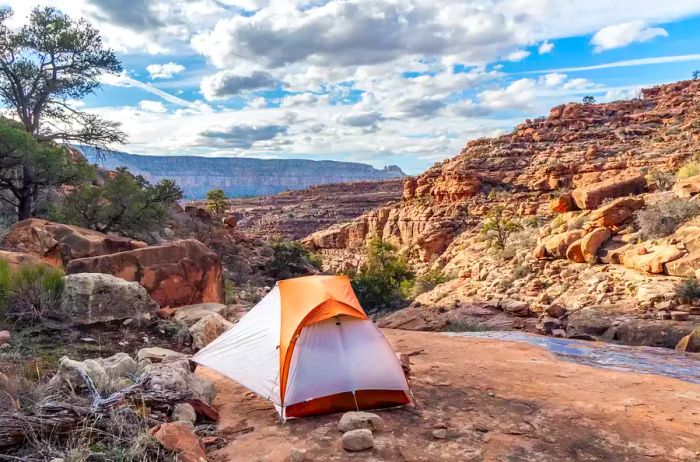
<point x="348" y="401"/>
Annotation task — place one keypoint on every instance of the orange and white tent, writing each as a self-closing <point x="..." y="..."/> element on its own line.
<point x="309" y="347"/>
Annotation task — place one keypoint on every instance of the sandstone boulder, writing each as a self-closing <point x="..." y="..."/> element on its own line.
<point x="358" y="440"/>
<point x="174" y="274"/>
<point x="556" y="245"/>
<point x="651" y="260"/>
<point x="180" y="437"/>
<point x="615" y="213"/>
<point x="207" y="329"/>
<point x="574" y="253"/>
<point x="89" y="298"/>
<point x="592" y="196"/>
<point x="592" y="241"/>
<point x="688" y="187"/>
<point x="17" y="259"/>
<point x="561" y="204"/>
<point x="57" y="244"/>
<point x="358" y="419"/>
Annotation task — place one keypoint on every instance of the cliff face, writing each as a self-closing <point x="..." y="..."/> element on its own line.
<point x="576" y="145"/>
<point x="242" y="176"/>
<point x="574" y="182"/>
<point x="296" y="214"/>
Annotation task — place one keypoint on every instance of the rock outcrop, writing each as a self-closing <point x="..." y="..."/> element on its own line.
<point x="89" y="298"/>
<point x="296" y="214"/>
<point x="57" y="244"/>
<point x="598" y="151"/>
<point x="174" y="274"/>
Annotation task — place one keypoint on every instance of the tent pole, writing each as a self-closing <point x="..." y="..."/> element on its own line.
<point x="355" y="398"/>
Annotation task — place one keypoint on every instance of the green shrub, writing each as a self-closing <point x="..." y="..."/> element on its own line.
<point x="688" y="290"/>
<point x="126" y="204"/>
<point x="427" y="281"/>
<point x="498" y="227"/>
<point x="689" y="169"/>
<point x="31" y="292"/>
<point x="384" y="282"/>
<point x="216" y="201"/>
<point x="291" y="259"/>
<point x="661" y="219"/>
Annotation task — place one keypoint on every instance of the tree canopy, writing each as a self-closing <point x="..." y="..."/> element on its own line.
<point x="48" y="62"/>
<point x="28" y="168"/>
<point x="216" y="201"/>
<point x="126" y="203"/>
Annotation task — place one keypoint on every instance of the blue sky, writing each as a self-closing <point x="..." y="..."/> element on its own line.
<point x="405" y="82"/>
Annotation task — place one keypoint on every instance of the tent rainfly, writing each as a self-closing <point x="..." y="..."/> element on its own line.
<point x="309" y="347"/>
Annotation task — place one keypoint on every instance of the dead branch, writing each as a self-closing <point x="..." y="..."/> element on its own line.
<point x="58" y="418"/>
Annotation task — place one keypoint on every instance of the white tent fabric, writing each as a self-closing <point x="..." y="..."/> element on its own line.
<point x="342" y="355"/>
<point x="249" y="351"/>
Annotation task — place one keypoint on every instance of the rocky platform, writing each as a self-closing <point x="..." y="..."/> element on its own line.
<point x="496" y="401"/>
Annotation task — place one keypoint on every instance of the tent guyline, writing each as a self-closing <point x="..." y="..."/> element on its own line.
<point x="309" y="348"/>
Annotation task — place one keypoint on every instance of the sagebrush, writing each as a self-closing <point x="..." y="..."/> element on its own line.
<point x="661" y="219"/>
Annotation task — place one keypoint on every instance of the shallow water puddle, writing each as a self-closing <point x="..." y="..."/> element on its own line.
<point x="645" y="360"/>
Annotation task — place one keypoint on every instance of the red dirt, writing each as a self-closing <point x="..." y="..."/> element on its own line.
<point x="499" y="401"/>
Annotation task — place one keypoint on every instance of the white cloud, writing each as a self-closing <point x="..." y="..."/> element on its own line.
<point x="518" y="95"/>
<point x="624" y="34"/>
<point x="517" y="55"/>
<point x="545" y="47"/>
<point x="164" y="71"/>
<point x="152" y="106"/>
<point x="553" y="79"/>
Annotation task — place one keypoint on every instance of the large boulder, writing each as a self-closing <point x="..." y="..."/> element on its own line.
<point x="592" y="241"/>
<point x="614" y="213"/>
<point x="17" y="259"/>
<point x="592" y="196"/>
<point x="91" y="297"/>
<point x="652" y="259"/>
<point x="174" y="274"/>
<point x="57" y="244"/>
<point x="556" y="245"/>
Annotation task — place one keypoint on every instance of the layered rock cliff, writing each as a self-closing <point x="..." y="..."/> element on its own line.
<point x="576" y="145"/>
<point x="296" y="214"/>
<point x="242" y="176"/>
<point x="574" y="182"/>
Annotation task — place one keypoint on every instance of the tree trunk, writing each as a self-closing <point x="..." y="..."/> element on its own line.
<point x="26" y="197"/>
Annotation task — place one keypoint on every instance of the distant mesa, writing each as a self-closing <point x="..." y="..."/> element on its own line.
<point x="239" y="176"/>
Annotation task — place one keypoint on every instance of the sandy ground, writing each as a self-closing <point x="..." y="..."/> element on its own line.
<point x="499" y="401"/>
